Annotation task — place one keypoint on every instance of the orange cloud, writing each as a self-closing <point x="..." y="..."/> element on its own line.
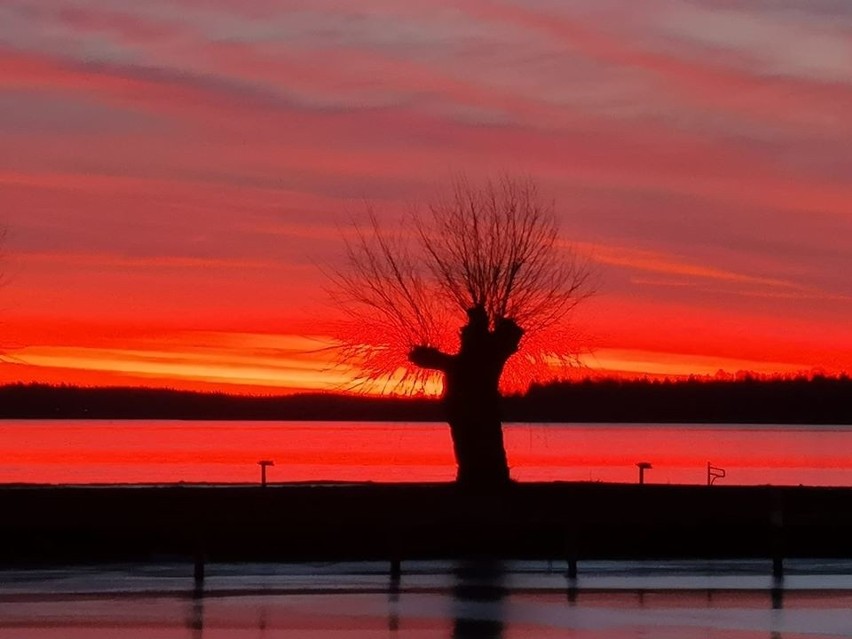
<point x="282" y="362"/>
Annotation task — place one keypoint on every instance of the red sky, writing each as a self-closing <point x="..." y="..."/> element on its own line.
<point x="172" y="173"/>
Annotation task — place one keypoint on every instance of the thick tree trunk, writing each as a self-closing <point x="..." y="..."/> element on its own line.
<point x="479" y="451"/>
<point x="472" y="405"/>
<point x="472" y="397"/>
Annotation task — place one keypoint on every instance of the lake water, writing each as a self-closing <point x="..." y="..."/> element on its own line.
<point x="510" y="600"/>
<point x="219" y="452"/>
<point x="358" y="600"/>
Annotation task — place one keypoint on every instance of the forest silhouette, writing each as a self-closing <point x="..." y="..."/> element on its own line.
<point x="802" y="400"/>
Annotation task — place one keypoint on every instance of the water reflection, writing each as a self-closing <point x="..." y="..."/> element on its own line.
<point x="478" y="600"/>
<point x="468" y="600"/>
<point x="777" y="594"/>
<point x="262" y="622"/>
<point x="196" y="615"/>
<point x="572" y="591"/>
<point x="393" y="602"/>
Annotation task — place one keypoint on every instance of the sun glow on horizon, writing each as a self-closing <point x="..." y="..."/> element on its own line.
<point x="265" y="363"/>
<point x="637" y="363"/>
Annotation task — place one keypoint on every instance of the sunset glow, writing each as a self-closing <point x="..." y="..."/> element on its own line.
<point x="175" y="176"/>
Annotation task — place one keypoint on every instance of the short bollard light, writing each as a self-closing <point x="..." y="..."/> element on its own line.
<point x="643" y="466"/>
<point x="263" y="463"/>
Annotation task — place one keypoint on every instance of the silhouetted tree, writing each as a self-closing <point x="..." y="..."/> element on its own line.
<point x="487" y="257"/>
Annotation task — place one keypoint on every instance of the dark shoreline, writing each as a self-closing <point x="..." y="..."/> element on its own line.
<point x="303" y="522"/>
<point x="816" y="401"/>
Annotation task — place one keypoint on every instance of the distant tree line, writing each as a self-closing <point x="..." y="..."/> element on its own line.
<point x="40" y="401"/>
<point x="817" y="400"/>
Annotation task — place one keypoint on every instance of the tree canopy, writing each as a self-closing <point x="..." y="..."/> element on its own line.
<point x="493" y="246"/>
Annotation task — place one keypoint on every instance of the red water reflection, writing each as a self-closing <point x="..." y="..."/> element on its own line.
<point x="155" y="452"/>
<point x="413" y="615"/>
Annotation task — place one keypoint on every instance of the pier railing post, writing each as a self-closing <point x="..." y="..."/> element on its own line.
<point x="572" y="567"/>
<point x="198" y="568"/>
<point x="571" y="553"/>
<point x="776" y="533"/>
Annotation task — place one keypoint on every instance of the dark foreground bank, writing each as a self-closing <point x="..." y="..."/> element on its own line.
<point x="393" y="521"/>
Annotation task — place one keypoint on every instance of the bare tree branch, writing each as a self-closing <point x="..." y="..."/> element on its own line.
<point x="494" y="245"/>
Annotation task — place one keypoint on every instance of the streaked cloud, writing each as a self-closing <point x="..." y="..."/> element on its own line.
<point x="120" y="261"/>
<point x="198" y="159"/>
<point x="641" y="260"/>
<point x="283" y="362"/>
